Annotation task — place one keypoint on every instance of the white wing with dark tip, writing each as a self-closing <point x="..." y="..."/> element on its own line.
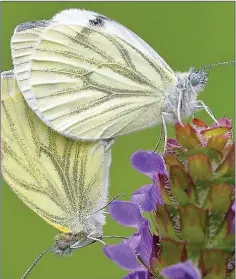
<point x="89" y="18"/>
<point x="91" y="78"/>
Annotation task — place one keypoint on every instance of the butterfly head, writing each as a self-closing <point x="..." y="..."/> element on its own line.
<point x="197" y="80"/>
<point x="189" y="86"/>
<point x="66" y="242"/>
<point x="181" y="103"/>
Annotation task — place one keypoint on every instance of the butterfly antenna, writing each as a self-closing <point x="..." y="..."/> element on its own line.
<point x="115" y="236"/>
<point x="218" y="64"/>
<point x="36" y="261"/>
<point x="108" y="203"/>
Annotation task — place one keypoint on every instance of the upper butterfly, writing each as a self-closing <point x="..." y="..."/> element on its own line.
<point x="89" y="78"/>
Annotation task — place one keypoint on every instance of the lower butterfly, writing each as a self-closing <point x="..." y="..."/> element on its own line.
<point x="89" y="78"/>
<point x="64" y="181"/>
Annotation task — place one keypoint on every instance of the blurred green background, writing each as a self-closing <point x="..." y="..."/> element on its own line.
<point x="185" y="34"/>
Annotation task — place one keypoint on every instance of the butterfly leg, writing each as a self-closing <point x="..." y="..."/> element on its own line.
<point x="165" y="114"/>
<point x="95" y="239"/>
<point x="87" y="241"/>
<point x="201" y="105"/>
<point x="179" y="108"/>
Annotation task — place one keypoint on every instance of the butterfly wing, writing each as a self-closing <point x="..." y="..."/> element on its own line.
<point x="23" y="42"/>
<point x="63" y="181"/>
<point x="90" y="83"/>
<point x="88" y="18"/>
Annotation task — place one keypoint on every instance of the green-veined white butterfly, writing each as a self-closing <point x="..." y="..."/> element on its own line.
<point x="90" y="78"/>
<point x="64" y="181"/>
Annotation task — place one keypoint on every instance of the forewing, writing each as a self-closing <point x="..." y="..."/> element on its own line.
<point x="93" y="79"/>
<point x="23" y="42"/>
<point x="91" y="85"/>
<point x="89" y="18"/>
<point x="62" y="180"/>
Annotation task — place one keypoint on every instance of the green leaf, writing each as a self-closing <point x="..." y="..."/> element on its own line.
<point x="227" y="167"/>
<point x="199" y="167"/>
<point x="164" y="224"/>
<point x="186" y="136"/>
<point x="182" y="186"/>
<point x="172" y="160"/>
<point x="213" y="154"/>
<point x="228" y="179"/>
<point x="172" y="252"/>
<point x="217" y="142"/>
<point x="219" y="198"/>
<point x="219" y="235"/>
<point x="213" y="263"/>
<point x="202" y="189"/>
<point x="215" y="132"/>
<point x="193" y="224"/>
<point x="215" y="222"/>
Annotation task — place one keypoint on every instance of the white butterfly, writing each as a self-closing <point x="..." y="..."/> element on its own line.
<point x="90" y="78"/>
<point x="64" y="181"/>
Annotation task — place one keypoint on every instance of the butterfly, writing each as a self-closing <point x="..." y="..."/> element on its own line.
<point x="64" y="181"/>
<point x="90" y="78"/>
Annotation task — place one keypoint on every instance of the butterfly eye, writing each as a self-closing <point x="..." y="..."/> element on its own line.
<point x="194" y="79"/>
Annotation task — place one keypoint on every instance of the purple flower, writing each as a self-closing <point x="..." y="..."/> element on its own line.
<point x="152" y="165"/>
<point x="124" y="253"/>
<point x="126" y="213"/>
<point x="147" y="197"/>
<point x="130" y="253"/>
<point x="148" y="163"/>
<point x="186" y="270"/>
<point x="134" y="254"/>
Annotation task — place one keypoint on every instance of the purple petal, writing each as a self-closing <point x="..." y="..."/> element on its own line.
<point x="123" y="255"/>
<point x="137" y="275"/>
<point x="223" y="122"/>
<point x="147" y="197"/>
<point x="141" y="242"/>
<point x="146" y="235"/>
<point x="172" y="145"/>
<point x="126" y="213"/>
<point x="144" y="249"/>
<point x="148" y="162"/>
<point x="186" y="270"/>
<point x="134" y="241"/>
